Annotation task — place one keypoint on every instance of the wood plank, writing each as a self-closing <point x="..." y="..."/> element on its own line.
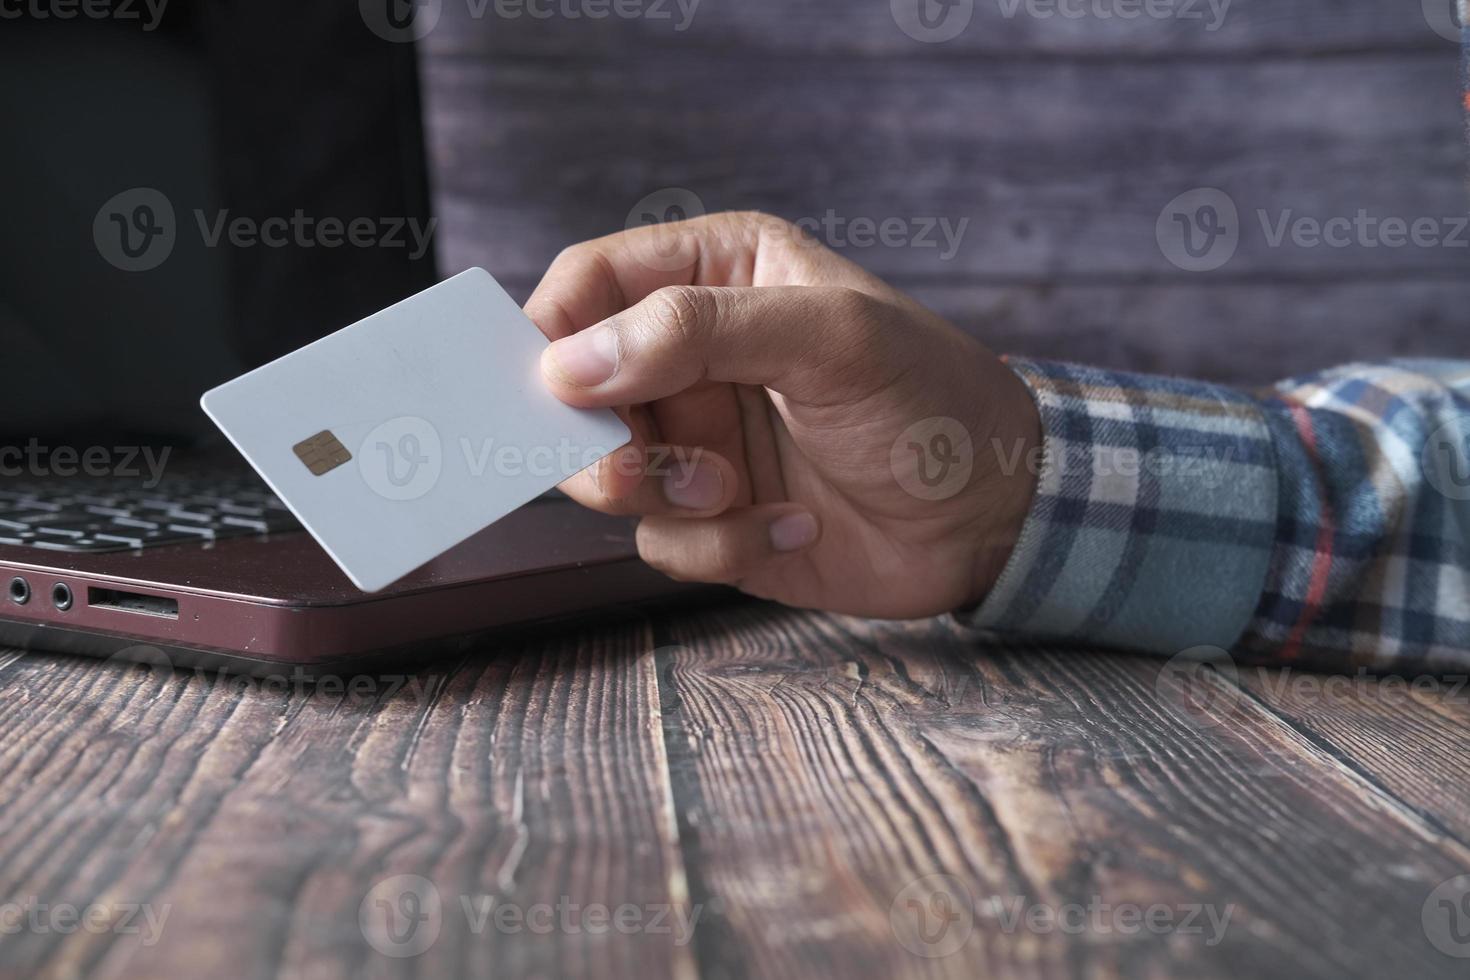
<point x="1406" y="734"/>
<point x="995" y="28"/>
<point x="1061" y="171"/>
<point x="830" y="763"/>
<point x="526" y="775"/>
<point x="1247" y="333"/>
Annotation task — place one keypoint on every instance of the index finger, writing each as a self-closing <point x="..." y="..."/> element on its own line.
<point x="590" y="282"/>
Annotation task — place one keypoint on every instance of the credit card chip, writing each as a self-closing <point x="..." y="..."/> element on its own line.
<point x="322" y="453"/>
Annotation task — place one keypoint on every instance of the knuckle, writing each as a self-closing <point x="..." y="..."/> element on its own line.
<point x="650" y="551"/>
<point x="859" y="344"/>
<point x="572" y="254"/>
<point x="679" y="312"/>
<point x="725" y="560"/>
<point x="851" y="309"/>
<point x="762" y="221"/>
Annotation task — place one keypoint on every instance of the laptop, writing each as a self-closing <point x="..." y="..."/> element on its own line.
<point x="187" y="202"/>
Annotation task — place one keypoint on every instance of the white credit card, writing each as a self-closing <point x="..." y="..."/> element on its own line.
<point x="400" y="436"/>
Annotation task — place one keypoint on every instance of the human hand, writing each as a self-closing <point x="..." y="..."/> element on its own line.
<point x="802" y="430"/>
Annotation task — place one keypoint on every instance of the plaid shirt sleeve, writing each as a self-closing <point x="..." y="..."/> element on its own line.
<point x="1325" y="521"/>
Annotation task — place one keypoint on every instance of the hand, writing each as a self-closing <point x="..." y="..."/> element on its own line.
<point x="774" y="388"/>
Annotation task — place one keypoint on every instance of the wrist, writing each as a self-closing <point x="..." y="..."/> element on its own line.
<point x="1011" y="476"/>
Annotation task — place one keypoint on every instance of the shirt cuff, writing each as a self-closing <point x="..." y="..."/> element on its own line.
<point x="1154" y="516"/>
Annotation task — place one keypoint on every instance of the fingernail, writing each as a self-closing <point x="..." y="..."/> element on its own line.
<point x="793" y="532"/>
<point x="697" y="486"/>
<point x="586" y="359"/>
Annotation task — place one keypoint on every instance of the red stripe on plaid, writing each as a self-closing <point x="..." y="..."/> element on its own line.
<point x="1326" y="533"/>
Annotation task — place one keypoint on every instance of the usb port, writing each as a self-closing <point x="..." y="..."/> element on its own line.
<point x="146" y="605"/>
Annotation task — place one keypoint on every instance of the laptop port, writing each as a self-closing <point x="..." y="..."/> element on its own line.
<point x="20" y="591"/>
<point x="61" y="596"/>
<point x="133" y="602"/>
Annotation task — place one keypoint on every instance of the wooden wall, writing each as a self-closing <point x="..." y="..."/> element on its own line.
<point x="1061" y="140"/>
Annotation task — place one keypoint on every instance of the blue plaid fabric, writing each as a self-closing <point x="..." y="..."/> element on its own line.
<point x="1324" y="521"/>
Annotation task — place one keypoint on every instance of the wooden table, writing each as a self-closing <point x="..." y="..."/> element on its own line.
<point x="736" y="790"/>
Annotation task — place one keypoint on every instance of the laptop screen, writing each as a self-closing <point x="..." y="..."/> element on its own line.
<point x="192" y="190"/>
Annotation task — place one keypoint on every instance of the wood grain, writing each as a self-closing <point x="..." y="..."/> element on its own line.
<point x="1039" y="777"/>
<point x="799" y="786"/>
<point x="1015" y="29"/>
<point x="1214" y="330"/>
<point x="1058" y="142"/>
<point x="262" y="814"/>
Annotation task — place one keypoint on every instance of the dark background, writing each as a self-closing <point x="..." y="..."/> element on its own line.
<point x="1061" y="140"/>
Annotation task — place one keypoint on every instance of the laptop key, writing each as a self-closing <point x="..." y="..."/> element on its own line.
<point x="121" y="539"/>
<point x="60" y="532"/>
<point x="239" y="510"/>
<point x="107" y="516"/>
<point x="137" y="522"/>
<point x="257" y="524"/>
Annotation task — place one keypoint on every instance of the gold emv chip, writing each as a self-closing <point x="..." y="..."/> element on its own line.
<point x="322" y="453"/>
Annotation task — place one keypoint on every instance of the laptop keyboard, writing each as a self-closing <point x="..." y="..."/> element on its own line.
<point x="96" y="516"/>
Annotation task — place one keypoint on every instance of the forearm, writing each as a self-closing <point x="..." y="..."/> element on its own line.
<point x="1299" y="524"/>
